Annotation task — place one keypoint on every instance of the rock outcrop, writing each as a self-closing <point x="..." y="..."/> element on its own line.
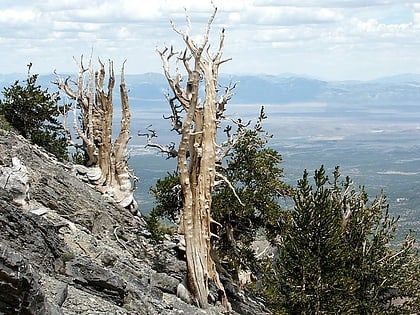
<point x="66" y="249"/>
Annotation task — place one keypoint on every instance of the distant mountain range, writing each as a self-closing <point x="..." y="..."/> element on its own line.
<point x="399" y="90"/>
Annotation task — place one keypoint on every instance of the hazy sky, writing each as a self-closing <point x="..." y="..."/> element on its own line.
<point x="328" y="39"/>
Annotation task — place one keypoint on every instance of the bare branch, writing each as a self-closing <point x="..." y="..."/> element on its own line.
<point x="64" y="86"/>
<point x="100" y="77"/>
<point x="209" y="23"/>
<point x="224" y="99"/>
<point x="175" y="117"/>
<point x="226" y="180"/>
<point x="167" y="149"/>
<point x="174" y="83"/>
<point x="218" y="55"/>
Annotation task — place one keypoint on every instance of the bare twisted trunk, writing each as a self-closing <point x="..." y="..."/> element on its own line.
<point x="197" y="157"/>
<point x="106" y="160"/>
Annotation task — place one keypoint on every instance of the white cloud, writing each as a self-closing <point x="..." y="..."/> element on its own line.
<point x="333" y="3"/>
<point x="335" y="38"/>
<point x="13" y="17"/>
<point x="290" y="15"/>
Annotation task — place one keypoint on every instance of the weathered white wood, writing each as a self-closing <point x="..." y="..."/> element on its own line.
<point x="94" y="174"/>
<point x="197" y="154"/>
<point x="106" y="161"/>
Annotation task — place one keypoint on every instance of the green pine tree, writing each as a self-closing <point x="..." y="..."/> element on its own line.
<point x="336" y="256"/>
<point x="253" y="209"/>
<point x="34" y="112"/>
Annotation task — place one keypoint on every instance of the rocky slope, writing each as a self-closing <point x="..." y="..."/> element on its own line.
<point x="65" y="249"/>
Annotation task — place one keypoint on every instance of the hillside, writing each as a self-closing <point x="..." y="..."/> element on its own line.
<point x="65" y="249"/>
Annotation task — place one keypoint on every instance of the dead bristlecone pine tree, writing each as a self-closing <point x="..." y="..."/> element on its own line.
<point x="197" y="152"/>
<point x="104" y="160"/>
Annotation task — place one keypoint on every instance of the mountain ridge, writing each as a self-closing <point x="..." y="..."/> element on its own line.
<point x="403" y="89"/>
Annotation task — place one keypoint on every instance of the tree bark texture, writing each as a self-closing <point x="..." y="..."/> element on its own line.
<point x="106" y="160"/>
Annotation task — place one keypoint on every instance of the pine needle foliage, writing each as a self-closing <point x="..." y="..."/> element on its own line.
<point x="336" y="256"/>
<point x="34" y="113"/>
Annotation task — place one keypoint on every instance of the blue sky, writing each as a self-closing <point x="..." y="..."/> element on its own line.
<point x="327" y="39"/>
